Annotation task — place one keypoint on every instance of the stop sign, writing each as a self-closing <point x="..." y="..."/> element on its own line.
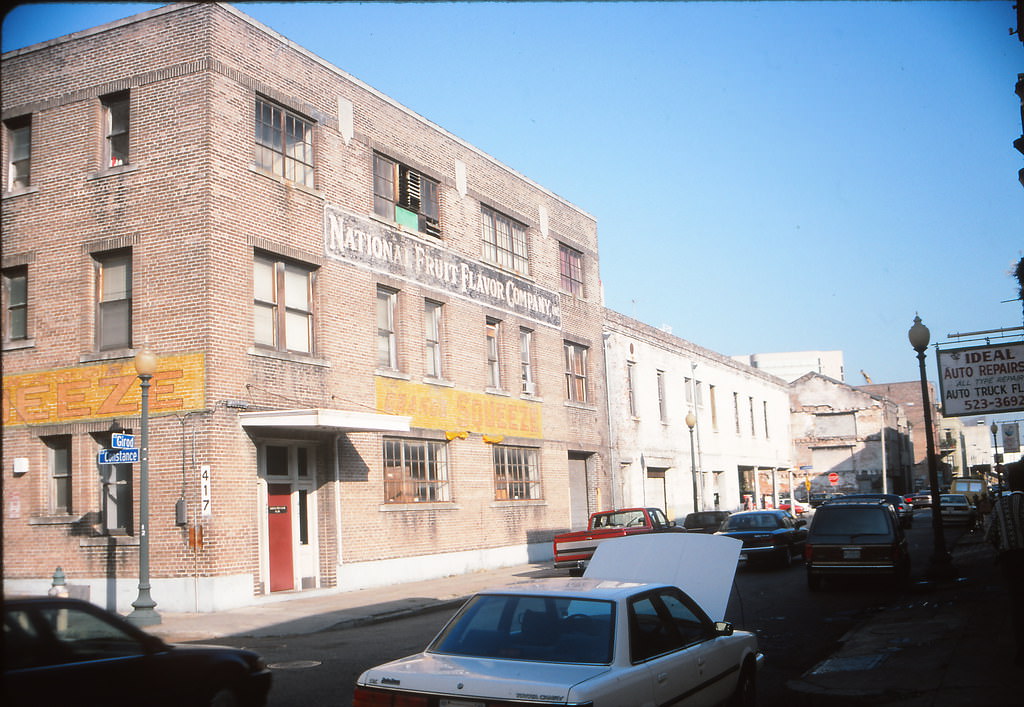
<point x="833" y="478"/>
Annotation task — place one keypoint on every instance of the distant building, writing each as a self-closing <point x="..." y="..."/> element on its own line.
<point x="860" y="437"/>
<point x="741" y="444"/>
<point x="791" y="365"/>
<point x="908" y="395"/>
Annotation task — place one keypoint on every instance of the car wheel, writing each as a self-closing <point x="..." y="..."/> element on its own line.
<point x="786" y="556"/>
<point x="224" y="697"/>
<point x="746" y="689"/>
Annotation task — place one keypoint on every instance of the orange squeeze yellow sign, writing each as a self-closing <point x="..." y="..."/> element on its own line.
<point x="102" y="390"/>
<point x="449" y="409"/>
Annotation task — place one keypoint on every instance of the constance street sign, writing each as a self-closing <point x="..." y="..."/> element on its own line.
<point x="982" y="379"/>
<point x="118" y="456"/>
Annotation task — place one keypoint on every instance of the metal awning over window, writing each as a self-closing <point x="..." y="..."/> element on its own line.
<point x="333" y="420"/>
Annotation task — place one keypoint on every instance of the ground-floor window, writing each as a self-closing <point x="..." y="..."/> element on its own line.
<point x="415" y="471"/>
<point x="516" y="473"/>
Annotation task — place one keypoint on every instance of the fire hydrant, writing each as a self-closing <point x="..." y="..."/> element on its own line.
<point x="59" y="587"/>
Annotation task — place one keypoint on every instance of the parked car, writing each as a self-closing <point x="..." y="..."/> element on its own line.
<point x="704" y="521"/>
<point x="619" y="632"/>
<point x="95" y="657"/>
<point x="797" y="509"/>
<point x="904" y="511"/>
<point x="819" y="498"/>
<point x="574" y="549"/>
<point x="855" y="537"/>
<point x="767" y="535"/>
<point x="922" y="499"/>
<point x="956" y="508"/>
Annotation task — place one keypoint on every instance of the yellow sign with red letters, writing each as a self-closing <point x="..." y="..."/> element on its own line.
<point x="434" y="407"/>
<point x="103" y="390"/>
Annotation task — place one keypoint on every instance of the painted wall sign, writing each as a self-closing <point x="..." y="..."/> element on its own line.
<point x="982" y="379"/>
<point x="356" y="239"/>
<point x="438" y="408"/>
<point x="102" y="391"/>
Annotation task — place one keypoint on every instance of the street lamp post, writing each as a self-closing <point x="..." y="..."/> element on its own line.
<point x="940" y="564"/>
<point x="691" y="422"/>
<point x="997" y="463"/>
<point x="144" y="613"/>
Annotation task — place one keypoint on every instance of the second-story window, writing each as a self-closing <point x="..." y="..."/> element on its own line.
<point x="432" y="312"/>
<point x="505" y="242"/>
<point x="405" y="196"/>
<point x="630" y="387"/>
<point x="284" y="143"/>
<point x="282" y="304"/>
<point x="116" y="116"/>
<point x="571" y="264"/>
<point x="526" y="361"/>
<point x="16" y="303"/>
<point x="387" y="338"/>
<point x="113" y="300"/>
<point x="662" y="410"/>
<point x="19" y="146"/>
<point x="59" y="448"/>
<point x="493" y="360"/>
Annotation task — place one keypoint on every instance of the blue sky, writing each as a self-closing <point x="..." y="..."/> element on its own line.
<point x="765" y="176"/>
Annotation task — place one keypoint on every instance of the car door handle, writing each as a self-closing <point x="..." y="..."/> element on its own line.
<point x="662" y="677"/>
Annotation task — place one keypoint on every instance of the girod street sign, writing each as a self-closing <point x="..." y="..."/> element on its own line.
<point x="118" y="456"/>
<point x="982" y="380"/>
<point x="119" y="440"/>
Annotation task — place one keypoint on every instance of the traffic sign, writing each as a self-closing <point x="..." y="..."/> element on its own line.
<point x="833" y="478"/>
<point x="118" y="456"/>
<point x="122" y="441"/>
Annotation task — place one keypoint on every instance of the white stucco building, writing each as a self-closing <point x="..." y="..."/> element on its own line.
<point x="741" y="441"/>
<point x="790" y="365"/>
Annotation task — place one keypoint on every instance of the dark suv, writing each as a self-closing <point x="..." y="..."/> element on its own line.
<point x="904" y="511"/>
<point x="855" y="537"/>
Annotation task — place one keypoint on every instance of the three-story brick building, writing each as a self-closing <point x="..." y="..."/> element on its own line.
<point x="379" y="349"/>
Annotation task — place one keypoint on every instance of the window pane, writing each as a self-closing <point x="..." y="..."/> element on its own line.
<point x="263" y="281"/>
<point x="116" y="283"/>
<point x="115" y="325"/>
<point x="297" y="331"/>
<point x="296" y="288"/>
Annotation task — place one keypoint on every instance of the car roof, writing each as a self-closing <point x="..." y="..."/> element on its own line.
<point x="574" y="587"/>
<point x="670" y="559"/>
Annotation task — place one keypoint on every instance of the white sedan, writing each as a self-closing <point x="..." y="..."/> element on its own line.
<point x="621" y="636"/>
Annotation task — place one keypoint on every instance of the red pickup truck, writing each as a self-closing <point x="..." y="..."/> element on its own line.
<point x="573" y="550"/>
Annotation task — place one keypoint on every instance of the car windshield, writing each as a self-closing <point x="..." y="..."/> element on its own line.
<point x="620" y="519"/>
<point x="755" y="521"/>
<point x="535" y="628"/>
<point x="702" y="519"/>
<point x="850" y="521"/>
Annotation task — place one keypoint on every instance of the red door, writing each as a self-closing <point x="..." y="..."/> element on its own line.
<point x="279" y="531"/>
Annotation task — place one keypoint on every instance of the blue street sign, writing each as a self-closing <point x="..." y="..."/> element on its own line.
<point x="118" y="456"/>
<point x="122" y="441"/>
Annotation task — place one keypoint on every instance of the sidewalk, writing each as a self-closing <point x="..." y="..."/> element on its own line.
<point x="949" y="645"/>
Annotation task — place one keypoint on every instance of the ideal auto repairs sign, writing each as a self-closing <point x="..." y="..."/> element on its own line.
<point x="982" y="380"/>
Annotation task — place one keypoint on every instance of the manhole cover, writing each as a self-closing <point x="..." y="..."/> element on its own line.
<point x="294" y="665"/>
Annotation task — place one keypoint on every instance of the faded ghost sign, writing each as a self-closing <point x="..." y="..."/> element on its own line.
<point x="982" y="380"/>
<point x="356" y="239"/>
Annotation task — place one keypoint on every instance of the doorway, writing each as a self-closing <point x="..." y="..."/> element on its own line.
<point x="289" y="546"/>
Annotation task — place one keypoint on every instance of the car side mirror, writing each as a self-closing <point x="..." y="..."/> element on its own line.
<point x="801" y="523"/>
<point x="723" y="628"/>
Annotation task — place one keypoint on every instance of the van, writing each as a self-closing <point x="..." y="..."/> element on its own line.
<point x="973" y="488"/>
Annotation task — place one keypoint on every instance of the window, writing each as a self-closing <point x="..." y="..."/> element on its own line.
<point x="16" y="303"/>
<point x="753" y="419"/>
<point x="432" y="324"/>
<point x="526" y="361"/>
<point x="661" y="396"/>
<point x="516" y="473"/>
<point x="59" y="452"/>
<point x="630" y="387"/>
<point x="575" y="372"/>
<point x="19" y="146"/>
<point x="403" y="195"/>
<point x="571" y="263"/>
<point x="415" y="471"/>
<point x="736" y="410"/>
<point x="714" y="407"/>
<point x="764" y="405"/>
<point x="282" y="305"/>
<point x="493" y="363"/>
<point x="664" y="621"/>
<point x="116" y="124"/>
<point x="387" y="345"/>
<point x="116" y="490"/>
<point x="505" y="242"/>
<point x="284" y="143"/>
<point x="688" y="385"/>
<point x="113" y="300"/>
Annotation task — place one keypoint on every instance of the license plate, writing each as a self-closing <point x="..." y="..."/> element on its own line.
<point x="459" y="703"/>
<point x="851" y="553"/>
